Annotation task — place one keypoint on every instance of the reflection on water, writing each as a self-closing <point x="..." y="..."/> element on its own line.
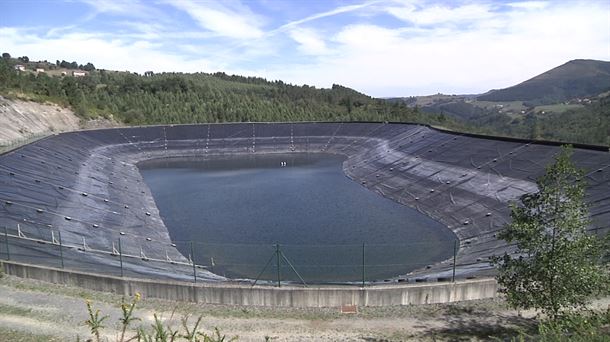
<point x="236" y="208"/>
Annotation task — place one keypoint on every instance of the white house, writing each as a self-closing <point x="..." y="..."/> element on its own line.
<point x="20" y="67"/>
<point x="79" y="73"/>
<point x="39" y="70"/>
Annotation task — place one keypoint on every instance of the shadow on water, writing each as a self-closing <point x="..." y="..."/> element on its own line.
<point x="237" y="208"/>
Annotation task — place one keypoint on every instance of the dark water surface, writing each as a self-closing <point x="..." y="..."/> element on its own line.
<point x="237" y="208"/>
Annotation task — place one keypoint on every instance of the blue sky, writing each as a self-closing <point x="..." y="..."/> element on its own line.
<point x="383" y="48"/>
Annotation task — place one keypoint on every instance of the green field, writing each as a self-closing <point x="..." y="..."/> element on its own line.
<point x="557" y="108"/>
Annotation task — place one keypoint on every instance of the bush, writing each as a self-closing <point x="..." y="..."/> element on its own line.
<point x="577" y="326"/>
<point x="588" y="326"/>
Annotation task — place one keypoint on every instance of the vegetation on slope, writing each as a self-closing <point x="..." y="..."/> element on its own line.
<point x="589" y="124"/>
<point x="173" y="98"/>
<point x="585" y="122"/>
<point x="577" y="78"/>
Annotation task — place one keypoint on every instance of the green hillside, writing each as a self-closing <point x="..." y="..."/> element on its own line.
<point x="577" y="78"/>
<point x="570" y="103"/>
<point x="587" y="122"/>
<point x="174" y="98"/>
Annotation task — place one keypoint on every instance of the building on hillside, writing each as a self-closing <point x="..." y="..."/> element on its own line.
<point x="79" y="73"/>
<point x="20" y="67"/>
<point x="39" y="70"/>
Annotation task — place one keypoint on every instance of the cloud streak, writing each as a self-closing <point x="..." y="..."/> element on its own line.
<point x="333" y="12"/>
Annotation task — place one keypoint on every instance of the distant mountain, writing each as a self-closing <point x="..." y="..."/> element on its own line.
<point x="569" y="103"/>
<point x="574" y="79"/>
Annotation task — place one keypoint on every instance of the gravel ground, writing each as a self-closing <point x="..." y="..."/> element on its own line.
<point x="37" y="311"/>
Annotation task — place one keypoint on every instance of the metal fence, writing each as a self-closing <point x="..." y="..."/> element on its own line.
<point x="273" y="264"/>
<point x="6" y="146"/>
<point x="127" y="255"/>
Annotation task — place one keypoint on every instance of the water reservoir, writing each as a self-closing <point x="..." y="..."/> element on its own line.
<point x="235" y="209"/>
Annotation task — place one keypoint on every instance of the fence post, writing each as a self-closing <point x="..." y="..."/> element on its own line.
<point x="193" y="261"/>
<point x="455" y="247"/>
<point x="277" y="253"/>
<point x="363" y="265"/>
<point x="121" y="257"/>
<point x="61" y="250"/>
<point x="8" y="254"/>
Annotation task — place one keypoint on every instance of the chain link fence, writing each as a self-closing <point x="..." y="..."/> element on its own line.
<point x="273" y="264"/>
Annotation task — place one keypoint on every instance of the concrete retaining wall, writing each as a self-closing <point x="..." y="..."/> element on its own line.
<point x="240" y="294"/>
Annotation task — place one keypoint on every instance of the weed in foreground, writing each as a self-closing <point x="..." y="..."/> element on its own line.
<point x="159" y="331"/>
<point x="95" y="321"/>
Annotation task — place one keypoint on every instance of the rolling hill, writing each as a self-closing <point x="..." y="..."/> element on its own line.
<point x="569" y="103"/>
<point x="574" y="79"/>
<point x="175" y="98"/>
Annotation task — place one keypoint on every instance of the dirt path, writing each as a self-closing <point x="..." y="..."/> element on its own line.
<point x="32" y="309"/>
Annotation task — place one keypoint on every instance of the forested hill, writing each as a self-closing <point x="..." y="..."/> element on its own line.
<point x="576" y="78"/>
<point x="173" y="98"/>
<point x="176" y="98"/>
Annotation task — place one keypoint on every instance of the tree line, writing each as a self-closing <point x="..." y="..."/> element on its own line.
<point x="587" y="125"/>
<point x="174" y="98"/>
<point x="44" y="64"/>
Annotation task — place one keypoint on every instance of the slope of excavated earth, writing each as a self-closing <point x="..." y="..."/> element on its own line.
<point x="22" y="120"/>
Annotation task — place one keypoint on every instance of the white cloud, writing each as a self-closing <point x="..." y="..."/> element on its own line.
<point x="113" y="54"/>
<point x="310" y="42"/>
<point x="363" y="38"/>
<point x="530" y="5"/>
<point x="499" y="51"/>
<point x="237" y="22"/>
<point x="438" y="14"/>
